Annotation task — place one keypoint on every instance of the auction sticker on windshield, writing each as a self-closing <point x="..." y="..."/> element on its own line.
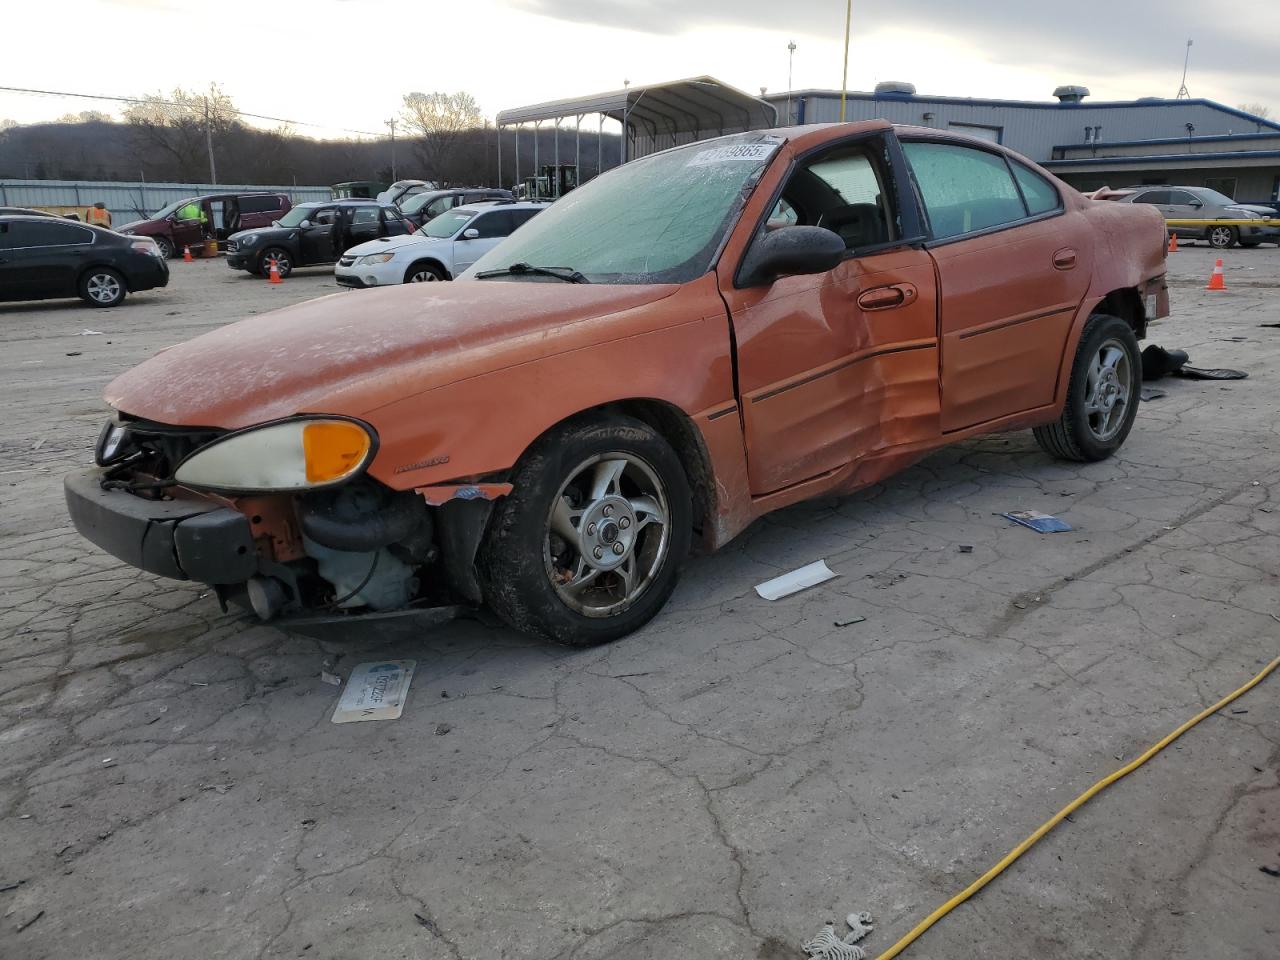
<point x="375" y="691"/>
<point x="737" y="151"/>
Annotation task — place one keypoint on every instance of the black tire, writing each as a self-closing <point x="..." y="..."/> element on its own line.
<point x="102" y="287"/>
<point x="283" y="259"/>
<point x="1223" y="238"/>
<point x="516" y="564"/>
<point x="166" y="247"/>
<point x="424" y="271"/>
<point x="1073" y="436"/>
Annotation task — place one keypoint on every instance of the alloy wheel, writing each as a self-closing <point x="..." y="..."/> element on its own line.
<point x="103" y="288"/>
<point x="607" y="534"/>
<point x="1108" y="390"/>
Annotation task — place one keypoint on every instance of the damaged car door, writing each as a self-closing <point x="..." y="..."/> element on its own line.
<point x="837" y="366"/>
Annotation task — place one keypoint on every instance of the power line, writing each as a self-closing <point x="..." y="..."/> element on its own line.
<point x="173" y="103"/>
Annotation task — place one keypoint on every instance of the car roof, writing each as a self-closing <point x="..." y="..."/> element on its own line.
<point x="480" y="206"/>
<point x="343" y="202"/>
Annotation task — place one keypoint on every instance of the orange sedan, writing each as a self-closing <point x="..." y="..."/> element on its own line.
<point x="667" y="353"/>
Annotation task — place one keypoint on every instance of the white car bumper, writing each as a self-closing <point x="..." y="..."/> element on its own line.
<point x="362" y="275"/>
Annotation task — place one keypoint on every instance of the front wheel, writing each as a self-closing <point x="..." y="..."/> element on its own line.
<point x="424" y="273"/>
<point x="166" y="247"/>
<point x="284" y="262"/>
<point x="588" y="545"/>
<point x="1223" y="237"/>
<point x="1102" y="395"/>
<point x="102" y="287"/>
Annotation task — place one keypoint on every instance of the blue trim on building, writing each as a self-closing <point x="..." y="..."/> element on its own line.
<point x="1161" y="141"/>
<point x="1032" y="104"/>
<point x="1166" y="158"/>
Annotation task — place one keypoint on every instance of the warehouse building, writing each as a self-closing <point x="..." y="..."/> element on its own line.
<point x="1088" y="143"/>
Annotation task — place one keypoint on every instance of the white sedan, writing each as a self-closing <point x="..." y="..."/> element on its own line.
<point x="440" y="250"/>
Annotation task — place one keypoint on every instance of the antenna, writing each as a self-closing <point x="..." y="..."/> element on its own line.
<point x="1183" y="93"/>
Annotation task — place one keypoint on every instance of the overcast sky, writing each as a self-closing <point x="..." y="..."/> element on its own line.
<point x="346" y="63"/>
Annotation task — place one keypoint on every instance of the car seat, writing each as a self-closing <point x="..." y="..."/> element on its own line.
<point x="858" y="224"/>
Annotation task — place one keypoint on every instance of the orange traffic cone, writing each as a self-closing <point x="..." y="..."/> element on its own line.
<point x="1173" y="244"/>
<point x="275" y="271"/>
<point x="186" y="255"/>
<point x="1217" y="280"/>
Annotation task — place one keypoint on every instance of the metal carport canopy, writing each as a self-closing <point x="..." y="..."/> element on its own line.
<point x="696" y="105"/>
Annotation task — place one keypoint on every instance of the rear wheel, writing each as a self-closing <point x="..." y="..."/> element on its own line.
<point x="102" y="287"/>
<point x="284" y="262"/>
<point x="1223" y="237"/>
<point x="587" y="546"/>
<point x="424" y="272"/>
<point x="1102" y="395"/>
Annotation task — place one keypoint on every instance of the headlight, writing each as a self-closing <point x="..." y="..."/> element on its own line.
<point x="248" y="241"/>
<point x="113" y="443"/>
<point x="289" y="455"/>
<point x="375" y="258"/>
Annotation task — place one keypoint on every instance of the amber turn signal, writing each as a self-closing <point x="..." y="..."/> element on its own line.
<point x="332" y="449"/>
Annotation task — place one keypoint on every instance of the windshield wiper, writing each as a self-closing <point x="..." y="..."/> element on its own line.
<point x="567" y="274"/>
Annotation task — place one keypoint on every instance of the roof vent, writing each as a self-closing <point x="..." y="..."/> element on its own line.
<point x="895" y="88"/>
<point x="1071" y="93"/>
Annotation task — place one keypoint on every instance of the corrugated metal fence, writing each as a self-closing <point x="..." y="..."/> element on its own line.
<point x="131" y="201"/>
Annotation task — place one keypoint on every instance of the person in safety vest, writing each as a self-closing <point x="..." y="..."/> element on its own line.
<point x="194" y="211"/>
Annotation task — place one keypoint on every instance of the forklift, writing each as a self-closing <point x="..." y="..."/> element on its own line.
<point x="554" y="182"/>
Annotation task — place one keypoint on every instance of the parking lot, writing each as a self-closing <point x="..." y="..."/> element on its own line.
<point x="717" y="785"/>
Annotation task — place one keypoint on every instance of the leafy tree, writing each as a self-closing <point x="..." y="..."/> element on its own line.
<point x="440" y="122"/>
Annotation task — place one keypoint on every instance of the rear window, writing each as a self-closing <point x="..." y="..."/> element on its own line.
<point x="964" y="190"/>
<point x="364" y="215"/>
<point x="259" y="204"/>
<point x="1039" y="193"/>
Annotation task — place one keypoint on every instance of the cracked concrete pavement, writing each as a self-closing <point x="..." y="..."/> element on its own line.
<point x="715" y="786"/>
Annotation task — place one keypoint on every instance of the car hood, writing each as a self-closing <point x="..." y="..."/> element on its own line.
<point x="351" y="353"/>
<point x="135" y="226"/>
<point x="262" y="232"/>
<point x="384" y="244"/>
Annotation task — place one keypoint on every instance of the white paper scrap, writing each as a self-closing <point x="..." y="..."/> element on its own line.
<point x="375" y="691"/>
<point x="795" y="581"/>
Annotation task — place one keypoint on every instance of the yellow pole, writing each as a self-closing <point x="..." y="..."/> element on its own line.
<point x="844" y="82"/>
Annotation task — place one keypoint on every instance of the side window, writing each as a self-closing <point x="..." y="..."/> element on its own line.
<point x="1181" y="198"/>
<point x="1153" y="196"/>
<point x="325" y="217"/>
<point x="259" y="204"/>
<point x="1040" y="194"/>
<point x="964" y="190"/>
<point x="437" y="207"/>
<point x="364" y="215"/>
<point x="841" y="190"/>
<point x="391" y="214"/>
<point x="52" y="234"/>
<point x="11" y="235"/>
<point x="496" y="224"/>
<point x="520" y="217"/>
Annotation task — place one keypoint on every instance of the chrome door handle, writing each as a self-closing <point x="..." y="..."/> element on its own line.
<point x="886" y="298"/>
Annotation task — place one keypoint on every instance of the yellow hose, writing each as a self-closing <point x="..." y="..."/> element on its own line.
<point x="1057" y="818"/>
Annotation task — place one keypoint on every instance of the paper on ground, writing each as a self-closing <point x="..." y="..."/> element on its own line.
<point x="375" y="691"/>
<point x="1037" y="521"/>
<point x="795" y="581"/>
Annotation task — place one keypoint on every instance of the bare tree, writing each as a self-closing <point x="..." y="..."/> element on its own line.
<point x="177" y="132"/>
<point x="439" y="122"/>
<point x="1257" y="109"/>
<point x="7" y="123"/>
<point x="85" y="116"/>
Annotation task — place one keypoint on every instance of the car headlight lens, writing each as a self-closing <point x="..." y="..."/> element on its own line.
<point x="289" y="455"/>
<point x="373" y="258"/>
<point x="248" y="241"/>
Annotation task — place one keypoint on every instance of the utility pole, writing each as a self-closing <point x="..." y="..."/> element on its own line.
<point x="208" y="139"/>
<point x="791" y="55"/>
<point x="1183" y="93"/>
<point x="392" y="124"/>
<point x="844" y="83"/>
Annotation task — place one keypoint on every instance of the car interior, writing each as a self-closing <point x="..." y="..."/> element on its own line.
<point x="841" y="191"/>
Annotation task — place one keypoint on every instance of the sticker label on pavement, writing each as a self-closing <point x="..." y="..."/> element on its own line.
<point x="375" y="691"/>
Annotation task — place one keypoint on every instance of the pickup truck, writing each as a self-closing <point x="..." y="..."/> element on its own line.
<point x="667" y="353"/>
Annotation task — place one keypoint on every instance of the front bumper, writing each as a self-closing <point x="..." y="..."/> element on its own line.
<point x="240" y="260"/>
<point x="184" y="539"/>
<point x="374" y="275"/>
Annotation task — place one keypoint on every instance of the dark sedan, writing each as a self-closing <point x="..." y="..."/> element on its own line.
<point x="313" y="233"/>
<point x="42" y="258"/>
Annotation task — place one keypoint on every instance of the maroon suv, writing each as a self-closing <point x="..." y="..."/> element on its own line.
<point x="219" y="216"/>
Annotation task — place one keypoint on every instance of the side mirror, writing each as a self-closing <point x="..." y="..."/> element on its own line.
<point x="1197" y="204"/>
<point x="275" y="223"/>
<point x="471" y="233"/>
<point x="792" y="251"/>
<point x="305" y="223"/>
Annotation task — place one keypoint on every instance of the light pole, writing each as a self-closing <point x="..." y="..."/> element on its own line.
<point x="791" y="55"/>
<point x="844" y="83"/>
<point x="392" y="124"/>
